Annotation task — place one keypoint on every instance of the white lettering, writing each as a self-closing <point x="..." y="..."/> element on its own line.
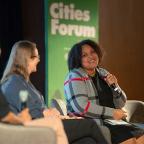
<point x="78" y="15"/>
<point x="69" y="29"/>
<point x="54" y="26"/>
<point x="86" y="15"/>
<point x="68" y="12"/>
<point x="53" y="10"/>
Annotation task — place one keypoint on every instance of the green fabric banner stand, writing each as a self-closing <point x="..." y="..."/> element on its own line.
<point x="65" y="24"/>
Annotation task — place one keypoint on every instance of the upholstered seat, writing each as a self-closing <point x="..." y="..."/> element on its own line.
<point x="134" y="109"/>
<point x="17" y="134"/>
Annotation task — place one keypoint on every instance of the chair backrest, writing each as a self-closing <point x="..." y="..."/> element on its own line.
<point x="60" y="105"/>
<point x="135" y="111"/>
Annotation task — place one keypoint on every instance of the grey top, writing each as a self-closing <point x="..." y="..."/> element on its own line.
<point x="11" y="89"/>
<point x="82" y="96"/>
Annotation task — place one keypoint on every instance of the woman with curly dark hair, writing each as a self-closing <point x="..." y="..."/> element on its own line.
<point x="93" y="93"/>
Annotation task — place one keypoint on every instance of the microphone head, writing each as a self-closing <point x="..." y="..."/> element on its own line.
<point x="23" y="95"/>
<point x="103" y="72"/>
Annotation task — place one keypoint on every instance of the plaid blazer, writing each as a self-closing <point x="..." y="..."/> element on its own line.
<point x="82" y="96"/>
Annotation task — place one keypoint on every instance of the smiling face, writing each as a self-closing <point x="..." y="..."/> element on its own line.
<point x="33" y="61"/>
<point x="90" y="58"/>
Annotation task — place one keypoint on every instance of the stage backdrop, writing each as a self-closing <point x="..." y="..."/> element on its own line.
<point x="66" y="22"/>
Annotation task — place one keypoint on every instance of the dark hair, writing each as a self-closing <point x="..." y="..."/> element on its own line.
<point x="75" y="54"/>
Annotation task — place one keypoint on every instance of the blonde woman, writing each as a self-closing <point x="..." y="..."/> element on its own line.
<point x="24" y="118"/>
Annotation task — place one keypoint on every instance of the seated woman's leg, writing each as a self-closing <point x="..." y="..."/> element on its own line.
<point x="81" y="128"/>
<point x="125" y="134"/>
<point x="86" y="140"/>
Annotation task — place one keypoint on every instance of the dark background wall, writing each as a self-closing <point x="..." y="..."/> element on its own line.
<point x="23" y="19"/>
<point x="33" y="30"/>
<point x="10" y="28"/>
<point x="121" y="36"/>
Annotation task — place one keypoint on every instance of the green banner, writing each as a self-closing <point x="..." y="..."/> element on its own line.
<point x="65" y="24"/>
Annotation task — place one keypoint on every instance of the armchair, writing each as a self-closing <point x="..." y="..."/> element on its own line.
<point x="17" y="134"/>
<point x="135" y="112"/>
<point x="134" y="108"/>
<point x="60" y="105"/>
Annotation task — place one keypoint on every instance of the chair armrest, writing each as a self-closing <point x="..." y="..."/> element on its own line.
<point x="135" y="111"/>
<point x="60" y="105"/>
<point x="17" y="134"/>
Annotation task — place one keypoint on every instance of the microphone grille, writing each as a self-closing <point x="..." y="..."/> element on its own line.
<point x="103" y="72"/>
<point x="23" y="94"/>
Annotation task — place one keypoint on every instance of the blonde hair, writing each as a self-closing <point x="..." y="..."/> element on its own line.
<point x="18" y="59"/>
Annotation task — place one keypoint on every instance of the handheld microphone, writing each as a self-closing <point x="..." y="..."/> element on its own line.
<point x="103" y="73"/>
<point x="23" y="94"/>
<point x="115" y="88"/>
